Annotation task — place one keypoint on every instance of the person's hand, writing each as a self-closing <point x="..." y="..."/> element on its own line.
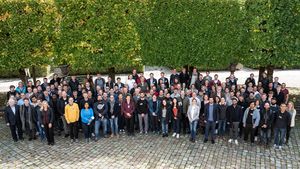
<point x="254" y="126"/>
<point x="228" y="122"/>
<point x="7" y="124"/>
<point x="153" y="114"/>
<point x="244" y="125"/>
<point x="217" y="122"/>
<point x="42" y="126"/>
<point x="143" y="114"/>
<point x="128" y="114"/>
<point x="50" y="125"/>
<point x="204" y="121"/>
<point x="112" y="117"/>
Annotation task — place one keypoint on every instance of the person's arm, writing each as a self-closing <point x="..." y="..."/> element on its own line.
<point x="257" y="119"/>
<point x="77" y="112"/>
<point x="7" y="116"/>
<point x="83" y="117"/>
<point x="189" y="114"/>
<point x="67" y="113"/>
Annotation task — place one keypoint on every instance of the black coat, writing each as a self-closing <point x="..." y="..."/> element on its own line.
<point x="215" y="112"/>
<point x="154" y="82"/>
<point x="10" y="117"/>
<point x="168" y="115"/>
<point x="50" y="117"/>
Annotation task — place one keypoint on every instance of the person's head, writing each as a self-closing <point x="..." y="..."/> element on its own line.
<point x="164" y="103"/>
<point x="290" y="106"/>
<point x="267" y="106"/>
<point x="276" y="79"/>
<point x="218" y="99"/>
<point x="216" y="76"/>
<point x="234" y="101"/>
<point x="211" y="100"/>
<point x="120" y="96"/>
<point x="111" y="98"/>
<point x="33" y="99"/>
<point x="283" y="85"/>
<point x="273" y="100"/>
<point x="85" y="95"/>
<point x="162" y="74"/>
<point x="71" y="100"/>
<point x="252" y="105"/>
<point x="207" y="73"/>
<point x="12" y="88"/>
<point x="283" y="107"/>
<point x="134" y="71"/>
<point x="64" y="94"/>
<point x="45" y="105"/>
<point x="29" y="89"/>
<point x="22" y="95"/>
<point x="154" y="97"/>
<point x="174" y="101"/>
<point x="223" y="100"/>
<point x="194" y="102"/>
<point x="174" y="71"/>
<point x="252" y="75"/>
<point x="99" y="98"/>
<point x="119" y="80"/>
<point x="151" y="75"/>
<point x="26" y="102"/>
<point x="11" y="102"/>
<point x="55" y="76"/>
<point x="86" y="105"/>
<point x="73" y="78"/>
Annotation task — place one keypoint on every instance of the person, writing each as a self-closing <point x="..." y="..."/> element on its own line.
<point x="12" y="92"/>
<point x="142" y="110"/>
<point x="281" y="121"/>
<point x="222" y="117"/>
<point x="164" y="114"/>
<point x="176" y="112"/>
<point x="55" y="79"/>
<point x="73" y="83"/>
<point x="100" y="111"/>
<point x="152" y="81"/>
<point x="183" y="102"/>
<point x="193" y="116"/>
<point x="46" y="119"/>
<point x="251" y="120"/>
<point x="266" y="121"/>
<point x="292" y="112"/>
<point x="173" y="76"/>
<point x="154" y="107"/>
<point x="234" y="116"/>
<point x="61" y="105"/>
<point x="184" y="78"/>
<point x="128" y="108"/>
<point x="99" y="81"/>
<point x="211" y="116"/>
<point x="28" y="119"/>
<point x="72" y="117"/>
<point x="12" y="119"/>
<point x="87" y="116"/>
<point x="115" y="107"/>
<point x="163" y="80"/>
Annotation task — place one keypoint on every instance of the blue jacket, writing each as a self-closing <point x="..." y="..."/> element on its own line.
<point x="86" y="115"/>
<point x="255" y="117"/>
<point x="215" y="112"/>
<point x="151" y="107"/>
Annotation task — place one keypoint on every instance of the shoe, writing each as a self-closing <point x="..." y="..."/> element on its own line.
<point x="49" y="143"/>
<point x="76" y="140"/>
<point x="174" y="134"/>
<point x="163" y="135"/>
<point x="205" y="140"/>
<point x="191" y="140"/>
<point x="146" y="133"/>
<point x="230" y="141"/>
<point x="212" y="141"/>
<point x="15" y="140"/>
<point x="52" y="144"/>
<point x="72" y="140"/>
<point x="21" y="138"/>
<point x="280" y="147"/>
<point x="167" y="134"/>
<point x="177" y="136"/>
<point x="112" y="135"/>
<point x="87" y="140"/>
<point x="29" y="139"/>
<point x="67" y="135"/>
<point x="236" y="142"/>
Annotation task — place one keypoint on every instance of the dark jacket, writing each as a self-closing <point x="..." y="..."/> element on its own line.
<point x="168" y="115"/>
<point x="117" y="109"/>
<point x="166" y="81"/>
<point x="215" y="112"/>
<point x="234" y="114"/>
<point x="128" y="108"/>
<point x="282" y="120"/>
<point x="27" y="116"/>
<point x="142" y="106"/>
<point x="184" y="78"/>
<point x="151" y="107"/>
<point x="10" y="117"/>
<point x="266" y="118"/>
<point x="154" y="82"/>
<point x="61" y="104"/>
<point x="172" y="78"/>
<point x="222" y="112"/>
<point x="100" y="108"/>
<point x="73" y="85"/>
<point x="43" y="120"/>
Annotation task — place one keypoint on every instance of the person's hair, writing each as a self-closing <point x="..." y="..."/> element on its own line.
<point x="42" y="107"/>
<point x="293" y="106"/>
<point x="26" y="99"/>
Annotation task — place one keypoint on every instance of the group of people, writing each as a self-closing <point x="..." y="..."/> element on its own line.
<point x="186" y="103"/>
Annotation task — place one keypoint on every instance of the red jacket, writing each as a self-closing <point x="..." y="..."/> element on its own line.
<point x="127" y="108"/>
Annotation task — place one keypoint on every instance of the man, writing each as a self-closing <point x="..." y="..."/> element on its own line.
<point x="276" y="83"/>
<point x="101" y="115"/>
<point x="234" y="116"/>
<point x="152" y="81"/>
<point x="72" y="118"/>
<point x="21" y="88"/>
<point x="211" y="116"/>
<point x="173" y="76"/>
<point x="135" y="76"/>
<point x="99" y="81"/>
<point x="194" y="76"/>
<point x="281" y="121"/>
<point x="12" y="92"/>
<point x="119" y="84"/>
<point x="27" y="116"/>
<point x="61" y="104"/>
<point x="279" y="95"/>
<point x="142" y="110"/>
<point x="251" y="121"/>
<point x="215" y="82"/>
<point x="154" y="107"/>
<point x="207" y="77"/>
<point x="73" y="83"/>
<point x="110" y="83"/>
<point x="13" y="121"/>
<point x="266" y="121"/>
<point x="183" y="102"/>
<point x="163" y="80"/>
<point x="55" y="79"/>
<point x="285" y="92"/>
<point x="250" y="80"/>
<point x="44" y="84"/>
<point x="184" y="78"/>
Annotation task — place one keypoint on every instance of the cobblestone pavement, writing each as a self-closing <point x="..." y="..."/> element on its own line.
<point x="143" y="151"/>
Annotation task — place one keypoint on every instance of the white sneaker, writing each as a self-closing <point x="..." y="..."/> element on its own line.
<point x="236" y="142"/>
<point x="230" y="140"/>
<point x="174" y="134"/>
<point x="275" y="146"/>
<point x="177" y="136"/>
<point x="280" y="147"/>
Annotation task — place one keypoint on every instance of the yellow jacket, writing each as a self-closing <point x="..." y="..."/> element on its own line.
<point x="72" y="113"/>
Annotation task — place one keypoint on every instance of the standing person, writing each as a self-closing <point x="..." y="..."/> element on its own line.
<point x="183" y="102"/>
<point x="211" y="116"/>
<point x="12" y="92"/>
<point x="184" y="78"/>
<point x="292" y="112"/>
<point x="152" y="81"/>
<point x="222" y="117"/>
<point x="61" y="104"/>
<point x="27" y="115"/>
<point x="72" y="117"/>
<point x="193" y="116"/>
<point x="115" y="115"/>
<point x="163" y="80"/>
<point x="164" y="114"/>
<point x="12" y="119"/>
<point x="100" y="110"/>
<point x="87" y="116"/>
<point x="176" y="112"/>
<point x="128" y="108"/>
<point x="251" y="121"/>
<point x="173" y="76"/>
<point x="73" y="83"/>
<point x="46" y="119"/>
<point x="154" y="107"/>
<point x="99" y="81"/>
<point x="234" y="116"/>
<point x="142" y="110"/>
<point x="121" y="119"/>
<point x="281" y="121"/>
<point x="266" y="120"/>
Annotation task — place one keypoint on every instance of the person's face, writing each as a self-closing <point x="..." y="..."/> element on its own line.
<point x="142" y="95"/>
<point x="71" y="101"/>
<point x="194" y="102"/>
<point x="11" y="102"/>
<point x="290" y="105"/>
<point x="222" y="100"/>
<point x="33" y="100"/>
<point x="234" y="102"/>
<point x="216" y="77"/>
<point x="252" y="105"/>
<point x="134" y="71"/>
<point x="128" y="98"/>
<point x="86" y="106"/>
<point x="120" y="97"/>
<point x="283" y="108"/>
<point x="211" y="100"/>
<point x="64" y="94"/>
<point x="164" y="102"/>
<point x="22" y="95"/>
<point x="154" y="97"/>
<point x="267" y="106"/>
<point x="12" y="89"/>
<point x="111" y="98"/>
<point x="26" y="102"/>
<point x="251" y="75"/>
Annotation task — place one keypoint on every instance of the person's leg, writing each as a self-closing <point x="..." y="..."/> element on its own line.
<point x="76" y="130"/>
<point x="65" y="125"/>
<point x="116" y="125"/>
<point x="191" y="129"/>
<point x="13" y="132"/>
<point x="288" y="130"/>
<point x="140" y="123"/>
<point x="71" y="127"/>
<point x="132" y="125"/>
<point x="104" y="125"/>
<point x="46" y="127"/>
<point x="146" y="122"/>
<point x="111" y="121"/>
<point x="246" y="132"/>
<point x="276" y="136"/>
<point x="20" y="131"/>
<point x="268" y="136"/>
<point x="85" y="130"/>
<point x="207" y="126"/>
<point x="51" y="135"/>
<point x="97" y="125"/>
<point x="178" y="126"/>
<point x="213" y="132"/>
<point x="253" y="133"/>
<point x="282" y="136"/>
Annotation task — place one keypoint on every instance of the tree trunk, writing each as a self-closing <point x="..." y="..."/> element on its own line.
<point x="270" y="73"/>
<point x="232" y="68"/>
<point x="261" y="70"/>
<point x="22" y="75"/>
<point x="34" y="75"/>
<point x="112" y="73"/>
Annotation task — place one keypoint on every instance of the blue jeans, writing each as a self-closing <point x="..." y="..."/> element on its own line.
<point x="210" y="126"/>
<point x="99" y="122"/>
<point x="41" y="131"/>
<point x="222" y="127"/>
<point x="265" y="135"/>
<point x="164" y="126"/>
<point x="279" y="136"/>
<point x="193" y="128"/>
<point x="176" y="126"/>
<point x="114" y="125"/>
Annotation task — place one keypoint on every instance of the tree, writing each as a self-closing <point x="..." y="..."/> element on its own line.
<point x="27" y="32"/>
<point x="97" y="34"/>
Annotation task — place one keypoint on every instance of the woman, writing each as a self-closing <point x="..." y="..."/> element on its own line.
<point x="128" y="108"/>
<point x="46" y="118"/>
<point x="87" y="116"/>
<point x="222" y="117"/>
<point x="176" y="112"/>
<point x="164" y="117"/>
<point x="292" y="111"/>
<point x="193" y="115"/>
